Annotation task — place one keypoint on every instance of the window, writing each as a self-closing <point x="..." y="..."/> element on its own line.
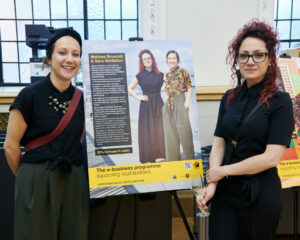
<point x="287" y="22"/>
<point x="93" y="19"/>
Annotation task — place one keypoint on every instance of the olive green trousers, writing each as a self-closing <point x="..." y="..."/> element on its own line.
<point x="177" y="130"/>
<point x="48" y="206"/>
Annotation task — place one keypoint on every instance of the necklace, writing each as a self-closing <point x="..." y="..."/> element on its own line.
<point x="59" y="104"/>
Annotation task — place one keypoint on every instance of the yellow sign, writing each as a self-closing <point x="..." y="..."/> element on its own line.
<point x="145" y="173"/>
<point x="289" y="173"/>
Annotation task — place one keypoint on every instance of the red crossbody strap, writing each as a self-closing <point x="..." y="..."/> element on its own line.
<point x="40" y="141"/>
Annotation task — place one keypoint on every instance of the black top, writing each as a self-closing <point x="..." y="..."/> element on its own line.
<point x="150" y="82"/>
<point x="42" y="119"/>
<point x="150" y="125"/>
<point x="271" y="124"/>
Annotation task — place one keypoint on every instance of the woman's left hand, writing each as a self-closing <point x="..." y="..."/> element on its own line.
<point x="213" y="175"/>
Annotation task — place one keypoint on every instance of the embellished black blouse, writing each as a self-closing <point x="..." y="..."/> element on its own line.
<point x="34" y="102"/>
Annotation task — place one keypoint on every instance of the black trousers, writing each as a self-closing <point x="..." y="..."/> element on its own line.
<point x="238" y="215"/>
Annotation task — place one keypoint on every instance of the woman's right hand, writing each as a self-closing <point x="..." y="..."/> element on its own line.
<point x="208" y="194"/>
<point x="16" y="128"/>
<point x="144" y="98"/>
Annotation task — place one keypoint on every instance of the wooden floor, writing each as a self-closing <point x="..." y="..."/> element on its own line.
<point x="178" y="229"/>
<point x="179" y="232"/>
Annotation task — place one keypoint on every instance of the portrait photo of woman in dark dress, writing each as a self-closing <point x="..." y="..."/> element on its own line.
<point x="150" y="126"/>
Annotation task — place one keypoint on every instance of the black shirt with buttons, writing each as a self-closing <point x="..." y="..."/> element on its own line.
<point x="269" y="124"/>
<point x="36" y="104"/>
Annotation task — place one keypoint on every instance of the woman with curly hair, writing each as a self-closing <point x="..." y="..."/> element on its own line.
<point x="254" y="127"/>
<point x="150" y="129"/>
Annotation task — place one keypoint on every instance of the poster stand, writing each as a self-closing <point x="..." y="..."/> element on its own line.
<point x="144" y="197"/>
<point x="147" y="196"/>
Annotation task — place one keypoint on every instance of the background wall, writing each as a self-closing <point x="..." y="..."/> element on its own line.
<point x="208" y="114"/>
<point x="211" y="25"/>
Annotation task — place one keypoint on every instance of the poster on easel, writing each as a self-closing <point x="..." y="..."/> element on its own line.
<point x="289" y="81"/>
<point x="142" y="128"/>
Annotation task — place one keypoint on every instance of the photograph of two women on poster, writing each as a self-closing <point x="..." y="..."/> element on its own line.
<point x="142" y="128"/>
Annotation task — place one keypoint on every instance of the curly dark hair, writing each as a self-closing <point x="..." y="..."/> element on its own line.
<point x="141" y="65"/>
<point x="264" y="32"/>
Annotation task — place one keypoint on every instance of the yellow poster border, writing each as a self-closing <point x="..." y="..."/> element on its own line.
<point x="122" y="175"/>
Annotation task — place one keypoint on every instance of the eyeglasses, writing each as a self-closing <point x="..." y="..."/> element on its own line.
<point x="256" y="57"/>
<point x="147" y="59"/>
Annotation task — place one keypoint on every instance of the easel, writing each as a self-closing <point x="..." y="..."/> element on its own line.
<point x="150" y="196"/>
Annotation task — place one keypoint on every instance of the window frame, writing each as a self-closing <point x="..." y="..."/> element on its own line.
<point x="289" y="40"/>
<point x="85" y="20"/>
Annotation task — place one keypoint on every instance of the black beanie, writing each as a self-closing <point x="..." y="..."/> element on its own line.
<point x="61" y="32"/>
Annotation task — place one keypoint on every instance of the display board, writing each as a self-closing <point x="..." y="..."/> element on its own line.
<point x="289" y="81"/>
<point x="129" y="136"/>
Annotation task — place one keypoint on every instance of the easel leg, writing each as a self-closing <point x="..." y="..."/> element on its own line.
<point x="115" y="218"/>
<point x="174" y="193"/>
<point x="295" y="190"/>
